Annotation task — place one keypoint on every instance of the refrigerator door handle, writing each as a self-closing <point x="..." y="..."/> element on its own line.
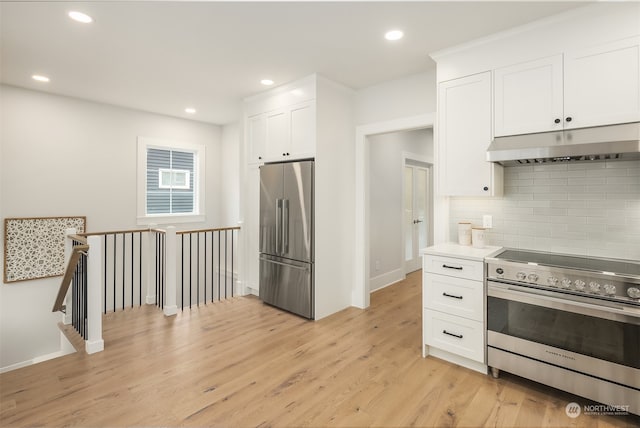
<point x="278" y="226"/>
<point x="285" y="226"/>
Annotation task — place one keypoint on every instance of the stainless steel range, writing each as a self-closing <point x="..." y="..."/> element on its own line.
<point x="570" y="322"/>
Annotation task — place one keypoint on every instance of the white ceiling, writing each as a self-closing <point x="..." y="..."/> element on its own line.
<point x="165" y="56"/>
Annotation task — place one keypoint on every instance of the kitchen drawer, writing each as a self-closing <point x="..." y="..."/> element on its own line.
<point x="454" y="334"/>
<point x="451" y="266"/>
<point x="455" y="296"/>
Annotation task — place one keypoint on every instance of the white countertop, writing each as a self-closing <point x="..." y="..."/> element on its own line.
<point x="467" y="252"/>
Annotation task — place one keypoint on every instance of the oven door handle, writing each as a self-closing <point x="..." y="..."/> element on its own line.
<point x="542" y="298"/>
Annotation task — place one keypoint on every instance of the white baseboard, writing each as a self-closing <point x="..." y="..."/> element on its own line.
<point x="65" y="349"/>
<point x="386" y="279"/>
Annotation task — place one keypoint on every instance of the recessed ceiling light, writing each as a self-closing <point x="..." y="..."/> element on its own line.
<point x="190" y="110"/>
<point x="394" y="35"/>
<point x="267" y="82"/>
<point x="40" y="78"/>
<point x="80" y="17"/>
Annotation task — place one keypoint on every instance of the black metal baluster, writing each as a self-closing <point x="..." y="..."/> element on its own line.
<point x="190" y="269"/>
<point x="105" y="274"/>
<point x="182" y="275"/>
<point x="205" y="268"/>
<point x="157" y="244"/>
<point x="226" y="271"/>
<point x="213" y="272"/>
<point x="140" y="265"/>
<point x="198" y="270"/>
<point x="132" y="268"/>
<point x="232" y="271"/>
<point x="219" y="258"/>
<point x="124" y="250"/>
<point x="114" y="271"/>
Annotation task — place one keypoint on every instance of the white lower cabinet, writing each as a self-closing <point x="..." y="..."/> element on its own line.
<point x="454" y="304"/>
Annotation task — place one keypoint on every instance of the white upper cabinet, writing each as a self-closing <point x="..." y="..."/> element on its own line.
<point x="528" y="97"/>
<point x="302" y="130"/>
<point x="277" y="138"/>
<point x="256" y="135"/>
<point x="588" y="87"/>
<point x="602" y="84"/>
<point x="464" y="133"/>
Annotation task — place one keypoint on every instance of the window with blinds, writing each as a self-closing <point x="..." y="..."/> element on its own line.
<point x="171" y="181"/>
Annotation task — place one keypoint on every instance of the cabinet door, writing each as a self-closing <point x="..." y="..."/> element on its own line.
<point x="528" y="97"/>
<point x="277" y="134"/>
<point x="256" y="134"/>
<point x="303" y="130"/>
<point x="464" y="133"/>
<point x="602" y="84"/>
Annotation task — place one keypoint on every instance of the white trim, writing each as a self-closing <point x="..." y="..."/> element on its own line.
<point x="360" y="296"/>
<point x="141" y="182"/>
<point x="511" y="32"/>
<point x="386" y="279"/>
<point x="66" y="348"/>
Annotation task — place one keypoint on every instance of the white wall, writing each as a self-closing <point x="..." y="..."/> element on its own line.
<point x="409" y="96"/>
<point x="386" y="235"/>
<point x="63" y="156"/>
<point x="230" y="175"/>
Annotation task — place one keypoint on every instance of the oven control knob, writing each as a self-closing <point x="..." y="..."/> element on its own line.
<point x="609" y="289"/>
<point x="634" y="292"/>
<point x="594" y="286"/>
<point x="566" y="283"/>
<point x="521" y="276"/>
<point x="532" y="277"/>
<point x="579" y="284"/>
<point x="552" y="281"/>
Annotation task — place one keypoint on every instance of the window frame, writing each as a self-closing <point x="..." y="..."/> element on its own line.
<point x="198" y="215"/>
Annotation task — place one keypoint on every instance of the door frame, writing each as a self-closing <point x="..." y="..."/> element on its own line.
<point x="428" y="166"/>
<point x="360" y="293"/>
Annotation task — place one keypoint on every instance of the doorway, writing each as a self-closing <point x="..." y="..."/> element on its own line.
<point x="392" y="157"/>
<point x="417" y="218"/>
<point x="360" y="295"/>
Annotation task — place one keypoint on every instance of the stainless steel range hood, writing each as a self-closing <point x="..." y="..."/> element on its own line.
<point x="612" y="142"/>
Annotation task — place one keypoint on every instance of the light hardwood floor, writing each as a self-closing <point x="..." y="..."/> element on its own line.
<point x="240" y="363"/>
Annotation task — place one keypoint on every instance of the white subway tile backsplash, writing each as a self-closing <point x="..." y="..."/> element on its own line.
<point x="587" y="208"/>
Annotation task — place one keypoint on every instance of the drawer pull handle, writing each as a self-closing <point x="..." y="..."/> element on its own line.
<point x="459" y="336"/>
<point x="452" y="267"/>
<point x="451" y="295"/>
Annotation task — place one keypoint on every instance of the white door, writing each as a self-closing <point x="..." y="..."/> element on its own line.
<point x="416" y="215"/>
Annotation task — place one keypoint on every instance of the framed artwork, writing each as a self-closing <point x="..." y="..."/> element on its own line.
<point x="34" y="247"/>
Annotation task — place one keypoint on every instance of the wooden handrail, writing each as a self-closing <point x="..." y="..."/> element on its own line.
<point x="79" y="238"/>
<point x="183" y="232"/>
<point x="68" y="275"/>
<point x="114" y="232"/>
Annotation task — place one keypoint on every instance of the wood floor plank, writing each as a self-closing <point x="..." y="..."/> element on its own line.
<point x="241" y="363"/>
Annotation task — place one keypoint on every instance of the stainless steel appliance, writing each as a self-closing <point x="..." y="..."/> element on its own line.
<point x="569" y="322"/>
<point x="599" y="143"/>
<point x="286" y="236"/>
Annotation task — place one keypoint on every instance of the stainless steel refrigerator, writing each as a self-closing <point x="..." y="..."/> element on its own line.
<point x="286" y="236"/>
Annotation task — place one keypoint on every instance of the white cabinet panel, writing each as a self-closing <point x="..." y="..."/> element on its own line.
<point x="277" y="135"/>
<point x="461" y="268"/>
<point x="454" y="296"/>
<point x="454" y="334"/>
<point x="256" y="135"/>
<point x="464" y="133"/>
<point x="602" y="84"/>
<point x="303" y="130"/>
<point x="252" y="227"/>
<point x="528" y="97"/>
